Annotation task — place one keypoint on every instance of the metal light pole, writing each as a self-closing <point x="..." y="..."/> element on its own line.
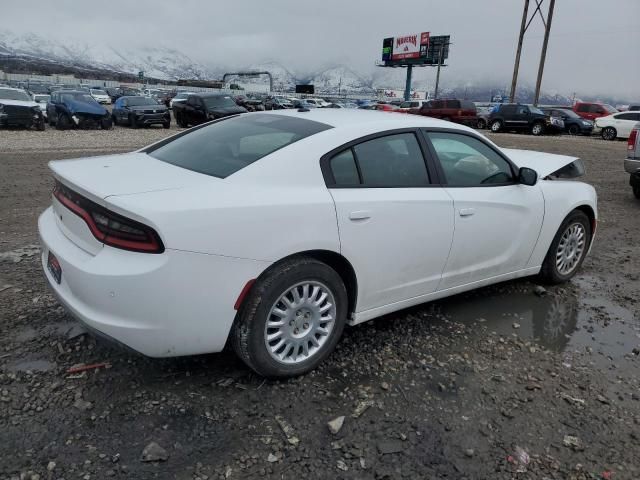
<point x="516" y="66"/>
<point x="435" y="94"/>
<point x="543" y="55"/>
<point x="407" y="86"/>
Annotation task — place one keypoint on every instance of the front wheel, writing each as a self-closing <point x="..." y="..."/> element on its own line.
<point x="133" y="123"/>
<point x="63" y="122"/>
<point x="537" y="129"/>
<point x="574" y="129"/>
<point x="568" y="249"/>
<point x="291" y="319"/>
<point x="609" y="133"/>
<point x="166" y="125"/>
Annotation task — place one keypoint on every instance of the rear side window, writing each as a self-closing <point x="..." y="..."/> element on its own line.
<point x="389" y="161"/>
<point x="224" y="147"/>
<point x="584" y="107"/>
<point x="436" y="104"/>
<point x="452" y="104"/>
<point x="467" y="105"/>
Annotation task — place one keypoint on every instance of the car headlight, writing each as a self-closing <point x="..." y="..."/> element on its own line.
<point x="587" y="123"/>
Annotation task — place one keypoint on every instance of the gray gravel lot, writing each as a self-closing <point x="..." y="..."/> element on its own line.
<point x="501" y="383"/>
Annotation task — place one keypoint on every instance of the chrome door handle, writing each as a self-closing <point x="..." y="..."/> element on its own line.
<point x="360" y="215"/>
<point x="467" y="212"/>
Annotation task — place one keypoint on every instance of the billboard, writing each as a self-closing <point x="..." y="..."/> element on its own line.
<point x="415" y="49"/>
<point x="410" y="46"/>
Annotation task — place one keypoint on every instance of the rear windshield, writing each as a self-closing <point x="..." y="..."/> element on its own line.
<point x="224" y="147"/>
<point x="7" y="94"/>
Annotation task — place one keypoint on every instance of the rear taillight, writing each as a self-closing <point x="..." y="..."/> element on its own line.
<point x="631" y="144"/>
<point x="109" y="227"/>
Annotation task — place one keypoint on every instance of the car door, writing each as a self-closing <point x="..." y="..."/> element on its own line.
<point x="497" y="220"/>
<point x="624" y="123"/>
<point x="395" y="222"/>
<point x="521" y="117"/>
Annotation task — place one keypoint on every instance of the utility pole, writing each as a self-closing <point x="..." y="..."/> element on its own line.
<point x="516" y="66"/>
<point x="435" y="94"/>
<point x="543" y="55"/>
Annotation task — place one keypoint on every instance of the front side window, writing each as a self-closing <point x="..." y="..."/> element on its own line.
<point x="522" y="110"/>
<point x="224" y="147"/>
<point x="469" y="162"/>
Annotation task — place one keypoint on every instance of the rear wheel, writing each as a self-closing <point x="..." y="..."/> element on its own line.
<point x="166" y="125"/>
<point x="63" y="122"/>
<point x="574" y="129"/>
<point x="537" y="129"/>
<point x="482" y="123"/>
<point x="568" y="249"/>
<point x="292" y="318"/>
<point x="609" y="133"/>
<point x="496" y="126"/>
<point x="106" y="123"/>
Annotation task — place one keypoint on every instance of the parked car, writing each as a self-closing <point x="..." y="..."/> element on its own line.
<point x="277" y="103"/>
<point x="34" y="88"/>
<point x="634" y="108"/>
<point x="457" y="111"/>
<point x="202" y="107"/>
<point x="318" y="102"/>
<point x="140" y="111"/>
<point x="41" y="99"/>
<point x="252" y="104"/>
<point x="385" y="107"/>
<point x="179" y="97"/>
<point x="618" y="125"/>
<point x="75" y="108"/>
<point x="100" y="96"/>
<point x="303" y="103"/>
<point x="411" y="106"/>
<point x="17" y="109"/>
<point x="483" y="110"/>
<point x="632" y="162"/>
<point x="517" y="116"/>
<point x="186" y="244"/>
<point x="591" y="110"/>
<point x="573" y="123"/>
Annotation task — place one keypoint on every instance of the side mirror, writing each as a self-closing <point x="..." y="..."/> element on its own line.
<point x="527" y="176"/>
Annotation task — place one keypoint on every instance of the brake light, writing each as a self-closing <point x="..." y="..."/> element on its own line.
<point x="631" y="144"/>
<point x="109" y="227"/>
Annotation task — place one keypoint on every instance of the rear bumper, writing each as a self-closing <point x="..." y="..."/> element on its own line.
<point x="175" y="303"/>
<point x="632" y="166"/>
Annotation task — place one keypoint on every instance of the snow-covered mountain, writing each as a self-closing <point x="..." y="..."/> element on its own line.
<point x="341" y="79"/>
<point x="156" y="62"/>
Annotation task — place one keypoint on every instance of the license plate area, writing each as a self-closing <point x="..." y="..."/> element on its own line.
<point x="54" y="267"/>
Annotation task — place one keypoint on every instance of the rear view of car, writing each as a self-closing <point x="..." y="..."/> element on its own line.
<point x="632" y="162"/>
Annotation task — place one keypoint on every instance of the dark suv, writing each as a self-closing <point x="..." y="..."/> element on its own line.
<point x="140" y="111"/>
<point x="202" y="107"/>
<point x="516" y="116"/>
<point x="458" y="111"/>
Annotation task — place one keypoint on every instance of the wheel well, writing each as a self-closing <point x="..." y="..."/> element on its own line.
<point x="341" y="265"/>
<point x="588" y="211"/>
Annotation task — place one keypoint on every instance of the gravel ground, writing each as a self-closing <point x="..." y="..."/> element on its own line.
<point x="511" y="381"/>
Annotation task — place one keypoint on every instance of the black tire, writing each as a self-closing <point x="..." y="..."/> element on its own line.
<point x="166" y="125"/>
<point x="482" y="123"/>
<point x="636" y="191"/>
<point x="496" y="126"/>
<point x="114" y="119"/>
<point x="41" y="125"/>
<point x="133" y="123"/>
<point x="106" y="123"/>
<point x="537" y="129"/>
<point x="63" y="122"/>
<point x="549" y="272"/>
<point x="51" y="122"/>
<point x="247" y="335"/>
<point x="609" y="133"/>
<point x="574" y="129"/>
<point x="179" y="121"/>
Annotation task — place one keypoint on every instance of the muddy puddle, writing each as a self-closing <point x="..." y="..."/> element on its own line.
<point x="576" y="319"/>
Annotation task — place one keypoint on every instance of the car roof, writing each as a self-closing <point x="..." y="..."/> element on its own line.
<point x="206" y="94"/>
<point x="378" y="120"/>
<point x="13" y="88"/>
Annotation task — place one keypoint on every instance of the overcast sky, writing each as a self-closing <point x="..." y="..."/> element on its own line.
<point x="594" y="46"/>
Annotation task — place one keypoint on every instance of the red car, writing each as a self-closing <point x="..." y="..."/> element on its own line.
<point x="458" y="111"/>
<point x="591" y="110"/>
<point x="386" y="107"/>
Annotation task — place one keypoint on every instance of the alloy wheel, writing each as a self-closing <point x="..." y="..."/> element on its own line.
<point x="570" y="248"/>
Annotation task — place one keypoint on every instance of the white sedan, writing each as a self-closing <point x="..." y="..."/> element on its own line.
<point x="617" y="125"/>
<point x="275" y="229"/>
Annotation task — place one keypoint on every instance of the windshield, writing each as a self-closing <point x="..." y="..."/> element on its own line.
<point x="7" y="94"/>
<point x="533" y="109"/>
<point x="79" y="96"/>
<point x="569" y="113"/>
<point x="137" y="101"/>
<point x="98" y="92"/>
<point x="224" y="147"/>
<point x="219" y="101"/>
